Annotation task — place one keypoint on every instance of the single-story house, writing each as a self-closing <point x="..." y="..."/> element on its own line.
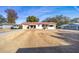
<point x="38" y="25"/>
<point x="5" y="26"/>
<point x="74" y="26"/>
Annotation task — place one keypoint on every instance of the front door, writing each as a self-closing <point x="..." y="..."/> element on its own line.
<point x="44" y="26"/>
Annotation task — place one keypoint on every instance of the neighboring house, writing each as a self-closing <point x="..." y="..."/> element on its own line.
<point x="5" y="26"/>
<point x="74" y="26"/>
<point x="38" y="25"/>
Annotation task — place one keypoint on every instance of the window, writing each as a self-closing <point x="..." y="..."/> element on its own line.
<point x="50" y="25"/>
<point x="78" y="27"/>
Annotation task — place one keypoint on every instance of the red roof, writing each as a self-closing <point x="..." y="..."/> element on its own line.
<point x="35" y="23"/>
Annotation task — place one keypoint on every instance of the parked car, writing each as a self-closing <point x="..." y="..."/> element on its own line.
<point x="15" y="27"/>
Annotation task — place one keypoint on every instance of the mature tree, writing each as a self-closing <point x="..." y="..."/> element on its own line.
<point x="48" y="20"/>
<point x="32" y="19"/>
<point x="59" y="19"/>
<point x="2" y="19"/>
<point x="62" y="20"/>
<point x="11" y="16"/>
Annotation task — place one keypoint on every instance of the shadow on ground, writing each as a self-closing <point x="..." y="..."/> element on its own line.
<point x="57" y="49"/>
<point x="72" y="38"/>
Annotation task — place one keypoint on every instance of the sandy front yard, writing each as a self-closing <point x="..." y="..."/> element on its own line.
<point x="15" y="39"/>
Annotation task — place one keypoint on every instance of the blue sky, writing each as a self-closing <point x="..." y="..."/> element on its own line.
<point x="41" y="12"/>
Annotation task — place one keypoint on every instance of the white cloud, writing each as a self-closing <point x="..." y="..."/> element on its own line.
<point x="38" y="12"/>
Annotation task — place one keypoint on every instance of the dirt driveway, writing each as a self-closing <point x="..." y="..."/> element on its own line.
<point x="14" y="40"/>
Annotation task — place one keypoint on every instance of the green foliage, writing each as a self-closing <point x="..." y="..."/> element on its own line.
<point x="2" y="19"/>
<point x="20" y="26"/>
<point x="32" y="19"/>
<point x="59" y="19"/>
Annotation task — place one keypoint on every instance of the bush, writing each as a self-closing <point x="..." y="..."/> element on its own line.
<point x="20" y="26"/>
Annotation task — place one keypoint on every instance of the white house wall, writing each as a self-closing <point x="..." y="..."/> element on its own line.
<point x="39" y="27"/>
<point x="51" y="28"/>
<point x="54" y="26"/>
<point x="24" y="26"/>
